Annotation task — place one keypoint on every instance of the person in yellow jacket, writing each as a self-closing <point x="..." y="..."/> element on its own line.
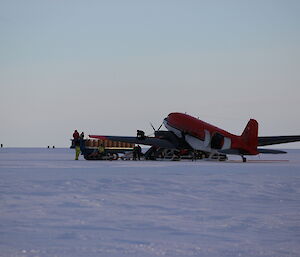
<point x="77" y="149"/>
<point x="76" y="142"/>
<point x="101" y="149"/>
<point x="98" y="153"/>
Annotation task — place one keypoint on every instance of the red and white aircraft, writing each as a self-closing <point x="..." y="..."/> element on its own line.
<point x="188" y="133"/>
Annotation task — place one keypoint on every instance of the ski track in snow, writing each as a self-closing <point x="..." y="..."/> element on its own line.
<point x="51" y="205"/>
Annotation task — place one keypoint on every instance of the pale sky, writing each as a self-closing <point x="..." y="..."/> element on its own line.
<point x="111" y="67"/>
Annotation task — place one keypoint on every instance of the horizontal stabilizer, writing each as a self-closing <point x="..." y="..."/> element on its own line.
<point x="270" y="151"/>
<point x="230" y="151"/>
<point x="260" y="150"/>
<point x="277" y="140"/>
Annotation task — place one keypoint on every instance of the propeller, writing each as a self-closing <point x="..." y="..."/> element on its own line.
<point x="158" y="127"/>
<point x="152" y="126"/>
<point x="154" y="130"/>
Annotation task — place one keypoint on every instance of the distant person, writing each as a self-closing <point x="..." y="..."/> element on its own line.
<point x="140" y="134"/>
<point x="81" y="139"/>
<point x="82" y="135"/>
<point x="1" y="145"/>
<point x="76" y="144"/>
<point x="53" y="147"/>
<point x="134" y="153"/>
<point x="99" y="152"/>
<point x="75" y="135"/>
<point x="101" y="148"/>
<point x="138" y="152"/>
<point x="77" y="149"/>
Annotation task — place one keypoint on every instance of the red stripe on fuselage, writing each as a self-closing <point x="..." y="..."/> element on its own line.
<point x="99" y="137"/>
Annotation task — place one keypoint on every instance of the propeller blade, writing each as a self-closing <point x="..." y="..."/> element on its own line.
<point x="152" y="126"/>
<point x="160" y="126"/>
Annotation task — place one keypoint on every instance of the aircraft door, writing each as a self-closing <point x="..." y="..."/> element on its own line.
<point x="217" y="141"/>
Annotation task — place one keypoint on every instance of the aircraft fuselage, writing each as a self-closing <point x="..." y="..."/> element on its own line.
<point x="208" y="138"/>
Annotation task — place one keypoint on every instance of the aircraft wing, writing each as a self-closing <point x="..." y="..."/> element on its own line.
<point x="163" y="143"/>
<point x="262" y="141"/>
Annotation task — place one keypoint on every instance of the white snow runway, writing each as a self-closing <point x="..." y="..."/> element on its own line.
<point x="51" y="205"/>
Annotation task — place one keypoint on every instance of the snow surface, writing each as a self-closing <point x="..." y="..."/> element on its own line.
<point x="51" y="205"/>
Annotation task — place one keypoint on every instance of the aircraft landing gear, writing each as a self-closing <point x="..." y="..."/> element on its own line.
<point x="244" y="158"/>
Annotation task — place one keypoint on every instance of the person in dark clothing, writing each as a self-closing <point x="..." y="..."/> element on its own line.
<point x="76" y="144"/>
<point x="75" y="135"/>
<point x="134" y="153"/>
<point x="82" y="135"/>
<point x="138" y="152"/>
<point x="140" y="134"/>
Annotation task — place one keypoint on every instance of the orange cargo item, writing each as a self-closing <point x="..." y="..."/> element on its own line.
<point x="107" y="143"/>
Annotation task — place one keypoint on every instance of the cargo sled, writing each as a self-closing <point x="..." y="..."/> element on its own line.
<point x="90" y="149"/>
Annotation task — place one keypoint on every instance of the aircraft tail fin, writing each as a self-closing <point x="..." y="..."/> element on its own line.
<point x="250" y="136"/>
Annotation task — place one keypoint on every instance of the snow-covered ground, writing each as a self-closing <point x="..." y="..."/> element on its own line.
<point x="51" y="205"/>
